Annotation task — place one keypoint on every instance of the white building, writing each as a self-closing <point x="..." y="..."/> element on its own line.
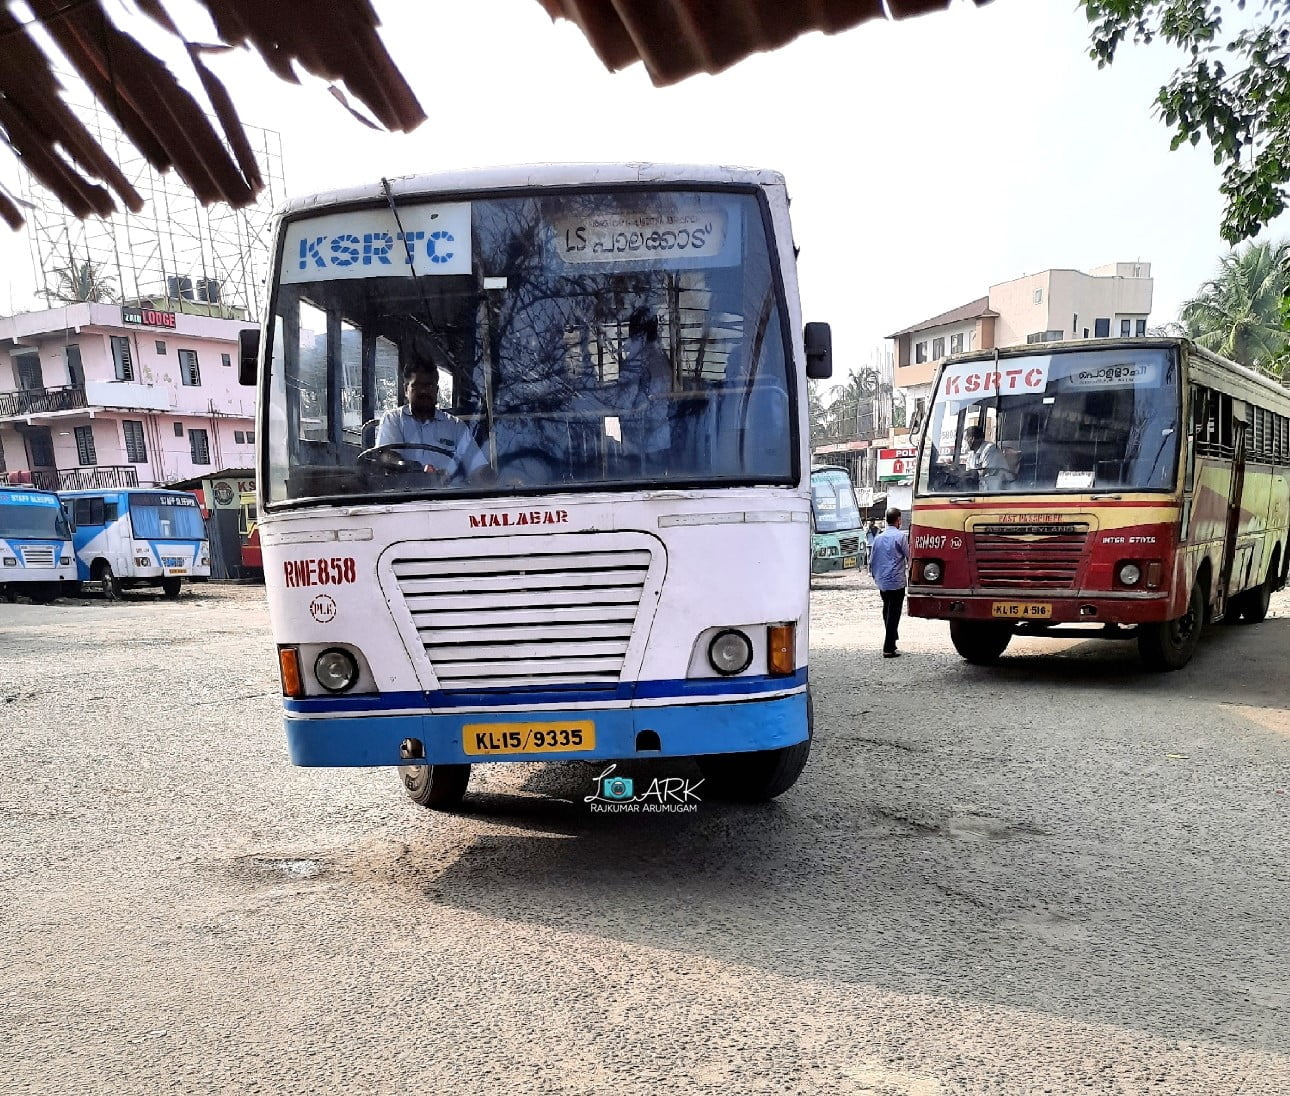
<point x="1112" y="300"/>
<point x="110" y="395"/>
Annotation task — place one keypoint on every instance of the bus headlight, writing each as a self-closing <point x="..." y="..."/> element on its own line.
<point x="1130" y="573"/>
<point x="932" y="570"/>
<point x="730" y="652"/>
<point x="335" y="670"/>
<point x="10" y="561"/>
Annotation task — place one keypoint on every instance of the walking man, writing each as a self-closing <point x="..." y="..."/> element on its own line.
<point x="888" y="561"/>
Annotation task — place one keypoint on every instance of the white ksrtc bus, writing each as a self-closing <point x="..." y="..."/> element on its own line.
<point x="609" y="555"/>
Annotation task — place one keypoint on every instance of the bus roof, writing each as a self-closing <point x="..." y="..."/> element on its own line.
<point x="521" y="176"/>
<point x="1250" y="375"/>
<point x="91" y="491"/>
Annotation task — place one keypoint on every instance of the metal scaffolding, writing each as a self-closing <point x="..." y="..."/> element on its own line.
<point x="175" y="254"/>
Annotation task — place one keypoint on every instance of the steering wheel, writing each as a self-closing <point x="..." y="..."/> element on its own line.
<point x="388" y="458"/>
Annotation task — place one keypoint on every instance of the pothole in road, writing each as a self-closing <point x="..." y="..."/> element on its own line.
<point x="969" y="827"/>
<point x="260" y="867"/>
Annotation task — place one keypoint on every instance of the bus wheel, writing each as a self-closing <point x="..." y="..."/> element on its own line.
<point x="439" y="787"/>
<point x="1254" y="603"/>
<point x="10" y="594"/>
<point x="761" y="775"/>
<point x="171" y="587"/>
<point x="107" y="579"/>
<point x="1170" y="644"/>
<point x="979" y="641"/>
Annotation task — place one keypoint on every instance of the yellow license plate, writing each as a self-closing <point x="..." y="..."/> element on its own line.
<point x="498" y="739"/>
<point x="1021" y="610"/>
<point x="849" y="561"/>
<point x="176" y="570"/>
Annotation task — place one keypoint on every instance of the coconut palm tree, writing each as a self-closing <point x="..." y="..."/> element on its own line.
<point x="83" y="281"/>
<point x="1237" y="312"/>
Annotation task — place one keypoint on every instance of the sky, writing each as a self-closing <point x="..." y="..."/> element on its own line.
<point x="926" y="159"/>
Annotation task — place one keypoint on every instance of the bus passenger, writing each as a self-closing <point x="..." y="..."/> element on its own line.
<point x="419" y="422"/>
<point x="647" y="373"/>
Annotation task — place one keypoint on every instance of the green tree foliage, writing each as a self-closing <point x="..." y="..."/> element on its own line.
<point x="1239" y="313"/>
<point x="1233" y="90"/>
<point x="81" y="282"/>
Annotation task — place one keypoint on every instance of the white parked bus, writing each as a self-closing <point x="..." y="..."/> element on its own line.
<point x="36" y="558"/>
<point x="598" y="546"/>
<point x="127" y="537"/>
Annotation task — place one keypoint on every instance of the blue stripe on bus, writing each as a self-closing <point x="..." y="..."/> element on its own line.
<point x="683" y="731"/>
<point x="678" y="688"/>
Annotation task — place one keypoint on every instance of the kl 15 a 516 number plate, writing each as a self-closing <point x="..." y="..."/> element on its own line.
<point x="1021" y="610"/>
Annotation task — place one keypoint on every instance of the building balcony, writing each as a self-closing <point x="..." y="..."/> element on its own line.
<point x="87" y="478"/>
<point x="107" y="395"/>
<point x="41" y="401"/>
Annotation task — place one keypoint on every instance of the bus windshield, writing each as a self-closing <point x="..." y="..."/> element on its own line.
<point x="833" y="501"/>
<point x="621" y="338"/>
<point x="39" y="519"/>
<point x="1048" y="422"/>
<point x="166" y="517"/>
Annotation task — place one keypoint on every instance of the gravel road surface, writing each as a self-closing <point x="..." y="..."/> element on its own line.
<point x="1059" y="875"/>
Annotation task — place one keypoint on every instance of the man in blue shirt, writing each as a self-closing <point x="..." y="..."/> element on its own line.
<point x="888" y="561"/>
<point x="454" y="455"/>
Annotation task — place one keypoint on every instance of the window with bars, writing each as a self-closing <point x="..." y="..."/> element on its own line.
<point x="1102" y="327"/>
<point x="938" y="349"/>
<point x="136" y="450"/>
<point x="956" y="343"/>
<point x="199" y="446"/>
<point x="85" y="445"/>
<point x="189" y="371"/>
<point x="122" y="358"/>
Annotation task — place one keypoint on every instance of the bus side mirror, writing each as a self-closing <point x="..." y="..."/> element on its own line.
<point x="248" y="345"/>
<point x="819" y="351"/>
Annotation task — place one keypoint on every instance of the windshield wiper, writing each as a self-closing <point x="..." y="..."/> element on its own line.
<point x="427" y="325"/>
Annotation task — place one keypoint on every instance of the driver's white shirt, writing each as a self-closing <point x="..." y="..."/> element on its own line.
<point x="442" y="431"/>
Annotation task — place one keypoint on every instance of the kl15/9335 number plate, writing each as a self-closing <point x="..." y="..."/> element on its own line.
<point x="498" y="739"/>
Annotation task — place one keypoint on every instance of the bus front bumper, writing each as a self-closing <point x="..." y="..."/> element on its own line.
<point x="342" y="738"/>
<point x="1031" y="607"/>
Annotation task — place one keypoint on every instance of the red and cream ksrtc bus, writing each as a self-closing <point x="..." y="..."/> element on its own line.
<point x="1119" y="488"/>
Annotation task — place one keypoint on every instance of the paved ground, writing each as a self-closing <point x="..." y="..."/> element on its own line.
<point x="1061" y="875"/>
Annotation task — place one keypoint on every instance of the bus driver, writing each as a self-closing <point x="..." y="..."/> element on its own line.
<point x="420" y="422"/>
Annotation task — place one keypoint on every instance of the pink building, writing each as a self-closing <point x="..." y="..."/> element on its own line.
<point x="112" y="395"/>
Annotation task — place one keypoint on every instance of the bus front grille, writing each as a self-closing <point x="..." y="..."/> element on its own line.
<point x="1029" y="557"/>
<point x="37" y="555"/>
<point x="533" y="620"/>
<point x="848" y="546"/>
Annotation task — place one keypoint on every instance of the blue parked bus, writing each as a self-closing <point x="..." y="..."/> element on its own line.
<point x="138" y="537"/>
<point x="36" y="557"/>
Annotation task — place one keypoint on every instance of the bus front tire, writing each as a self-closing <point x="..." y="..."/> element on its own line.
<point x="171" y="587"/>
<point x="106" y="577"/>
<point x="755" y="777"/>
<point x="980" y="642"/>
<point x="439" y="787"/>
<point x="1170" y="644"/>
<point x="760" y="775"/>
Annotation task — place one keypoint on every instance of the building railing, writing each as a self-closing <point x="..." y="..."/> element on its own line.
<point x="29" y="401"/>
<point x="94" y="477"/>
